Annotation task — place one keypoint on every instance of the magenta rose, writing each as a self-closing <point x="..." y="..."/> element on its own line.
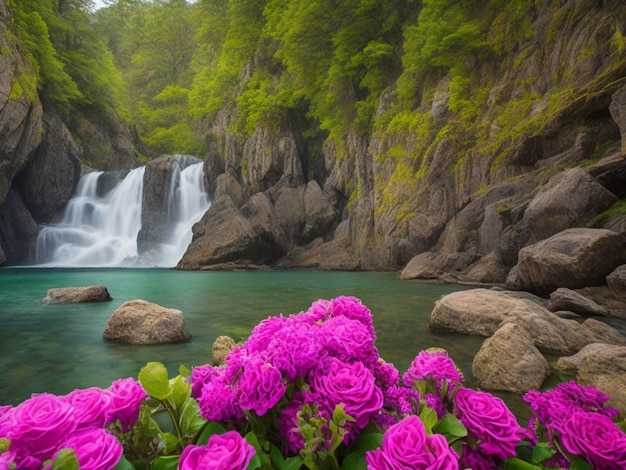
<point x="350" y="384"/>
<point x="125" y="397"/>
<point x="90" y="407"/>
<point x="217" y="400"/>
<point x="597" y="439"/>
<point x="95" y="449"/>
<point x="432" y="365"/>
<point x="488" y="420"/>
<point x="5" y="419"/>
<point x="39" y="425"/>
<point x="228" y="451"/>
<point x="349" y="340"/>
<point x="260" y="386"/>
<point x="405" y="445"/>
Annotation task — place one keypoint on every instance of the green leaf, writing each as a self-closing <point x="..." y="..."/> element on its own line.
<point x="211" y="427"/>
<point x="190" y="420"/>
<point x="518" y="464"/>
<point x="580" y="464"/>
<point x="170" y="440"/>
<point x="429" y="418"/>
<point x="180" y="391"/>
<point x="165" y="462"/>
<point x="450" y="427"/>
<point x="124" y="464"/>
<point x="259" y="457"/>
<point x="277" y="458"/>
<point x="294" y="463"/>
<point x="184" y="371"/>
<point x="154" y="380"/>
<point x="542" y="451"/>
<point x="355" y="457"/>
<point x="65" y="460"/>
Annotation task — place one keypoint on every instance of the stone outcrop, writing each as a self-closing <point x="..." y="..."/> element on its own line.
<point x="569" y="300"/>
<point x="519" y="329"/>
<point x="573" y="258"/>
<point x="222" y="347"/>
<point x="482" y="312"/>
<point x="141" y="322"/>
<point x="604" y="367"/>
<point x="509" y="361"/>
<point x="75" y="295"/>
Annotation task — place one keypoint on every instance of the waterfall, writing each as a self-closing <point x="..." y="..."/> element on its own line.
<point x="98" y="230"/>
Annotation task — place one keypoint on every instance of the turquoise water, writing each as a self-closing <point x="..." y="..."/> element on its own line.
<point x="56" y="348"/>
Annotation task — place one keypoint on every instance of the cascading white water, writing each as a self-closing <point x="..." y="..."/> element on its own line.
<point x="99" y="230"/>
<point x="187" y="202"/>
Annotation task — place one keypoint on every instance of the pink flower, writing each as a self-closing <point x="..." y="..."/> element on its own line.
<point x="39" y="425"/>
<point x="432" y="365"/>
<point x="125" y="397"/>
<point x="90" y="407"/>
<point x="288" y="425"/>
<point x="350" y="384"/>
<point x="95" y="449"/>
<point x="489" y="421"/>
<point x="406" y="446"/>
<point x="5" y="419"/>
<point x="228" y="451"/>
<point x="349" y="340"/>
<point x="260" y="386"/>
<point x="596" y="438"/>
<point x="217" y="399"/>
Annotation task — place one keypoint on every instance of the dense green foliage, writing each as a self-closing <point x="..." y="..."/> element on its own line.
<point x="74" y="67"/>
<point x="332" y="60"/>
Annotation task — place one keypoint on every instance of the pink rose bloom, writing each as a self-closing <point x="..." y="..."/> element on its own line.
<point x="217" y="399"/>
<point x="352" y="308"/>
<point x="95" y="449"/>
<point x="5" y="419"/>
<point x="488" y="420"/>
<point x="349" y="340"/>
<point x="296" y="349"/>
<point x="39" y="425"/>
<point x="432" y="365"/>
<point x="90" y="407"/>
<point x="350" y="384"/>
<point x="227" y="451"/>
<point x="260" y="386"/>
<point x="125" y="397"/>
<point x="597" y="439"/>
<point x="406" y="446"/>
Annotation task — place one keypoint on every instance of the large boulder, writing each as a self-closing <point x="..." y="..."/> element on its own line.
<point x="617" y="281"/>
<point x="141" y="322"/>
<point x="229" y="237"/>
<point x="74" y="295"/>
<point x="570" y="199"/>
<point x="509" y="361"/>
<point x="569" y="300"/>
<point x="573" y="258"/>
<point x="604" y="367"/>
<point x="481" y="312"/>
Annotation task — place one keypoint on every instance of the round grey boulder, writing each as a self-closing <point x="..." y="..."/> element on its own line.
<point x="141" y="322"/>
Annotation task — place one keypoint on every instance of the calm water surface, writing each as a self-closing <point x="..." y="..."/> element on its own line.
<point x="56" y="348"/>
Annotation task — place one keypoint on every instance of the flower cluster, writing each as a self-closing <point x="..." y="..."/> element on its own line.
<point x="576" y="421"/>
<point x="310" y="391"/>
<point x="323" y="357"/>
<point x="41" y="426"/>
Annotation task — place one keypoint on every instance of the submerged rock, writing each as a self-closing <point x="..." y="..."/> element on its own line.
<point x="222" y="347"/>
<point x="75" y="295"/>
<point x="141" y="322"/>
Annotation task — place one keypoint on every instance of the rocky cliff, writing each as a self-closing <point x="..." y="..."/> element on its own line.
<point x="40" y="160"/>
<point x="533" y="145"/>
